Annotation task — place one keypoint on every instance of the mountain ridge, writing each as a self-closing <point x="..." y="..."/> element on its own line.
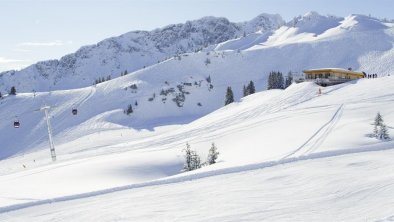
<point x="136" y="50"/>
<point x="130" y="52"/>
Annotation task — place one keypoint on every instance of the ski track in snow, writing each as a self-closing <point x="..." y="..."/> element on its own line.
<point x="197" y="175"/>
<point x="320" y="135"/>
<point x="326" y="131"/>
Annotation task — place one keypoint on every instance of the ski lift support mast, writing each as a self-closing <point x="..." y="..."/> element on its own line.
<point x="46" y="109"/>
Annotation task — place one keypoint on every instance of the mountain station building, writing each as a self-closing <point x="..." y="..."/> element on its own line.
<point x="331" y="76"/>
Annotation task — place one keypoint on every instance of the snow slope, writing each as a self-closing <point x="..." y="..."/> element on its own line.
<point x="283" y="126"/>
<point x="356" y="187"/>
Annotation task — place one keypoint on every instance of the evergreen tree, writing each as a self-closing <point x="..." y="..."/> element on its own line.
<point x="289" y="79"/>
<point x="383" y="132"/>
<point x="244" y="91"/>
<point x="251" y="89"/>
<point x="192" y="160"/>
<point x="270" y="84"/>
<point x="129" y="109"/>
<point x="229" y="96"/>
<point x="281" y="81"/>
<point x="196" y="161"/>
<point x="380" y="130"/>
<point x="212" y="154"/>
<point x="209" y="79"/>
<point x="378" y="122"/>
<point x="187" y="166"/>
<point x="275" y="80"/>
<point x="13" y="91"/>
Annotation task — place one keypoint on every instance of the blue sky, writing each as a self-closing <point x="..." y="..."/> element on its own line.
<point x="35" y="30"/>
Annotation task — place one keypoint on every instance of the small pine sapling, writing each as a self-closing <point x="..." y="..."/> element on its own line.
<point x="378" y="121"/>
<point x="213" y="154"/>
<point x="383" y="132"/>
<point x="192" y="160"/>
<point x="380" y="130"/>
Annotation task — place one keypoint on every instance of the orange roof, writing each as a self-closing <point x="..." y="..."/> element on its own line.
<point x="334" y="70"/>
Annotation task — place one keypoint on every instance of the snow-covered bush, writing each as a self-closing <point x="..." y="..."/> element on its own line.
<point x="192" y="159"/>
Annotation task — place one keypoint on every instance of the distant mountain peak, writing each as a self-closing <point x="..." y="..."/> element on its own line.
<point x="313" y="22"/>
<point x="311" y="14"/>
<point x="263" y="22"/>
<point x="362" y="22"/>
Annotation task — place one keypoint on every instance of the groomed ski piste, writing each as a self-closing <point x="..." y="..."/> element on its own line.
<point x="285" y="155"/>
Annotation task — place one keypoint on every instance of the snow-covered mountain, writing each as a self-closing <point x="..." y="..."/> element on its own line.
<point x="130" y="52"/>
<point x="308" y="41"/>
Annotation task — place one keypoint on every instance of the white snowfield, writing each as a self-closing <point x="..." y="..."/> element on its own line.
<point x="285" y="155"/>
<point x="356" y="187"/>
